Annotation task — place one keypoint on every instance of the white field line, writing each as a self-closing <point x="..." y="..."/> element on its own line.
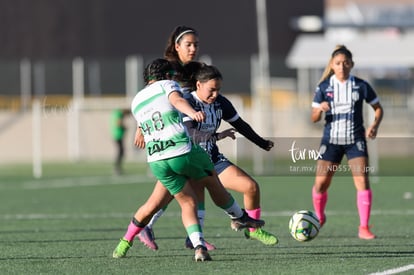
<point x="284" y="213"/>
<point x="395" y="270"/>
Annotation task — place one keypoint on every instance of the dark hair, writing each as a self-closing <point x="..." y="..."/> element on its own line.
<point x="190" y="70"/>
<point x="185" y="74"/>
<point x="177" y="34"/>
<point x="158" y="69"/>
<point x="208" y="72"/>
<point x="339" y="49"/>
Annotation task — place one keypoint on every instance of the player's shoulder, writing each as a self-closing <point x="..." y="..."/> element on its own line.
<point x="225" y="105"/>
<point x="222" y="99"/>
<point x="169" y="86"/>
<point x="324" y="84"/>
<point x="168" y="82"/>
<point x="361" y="83"/>
<point x="357" y="79"/>
<point x="191" y="96"/>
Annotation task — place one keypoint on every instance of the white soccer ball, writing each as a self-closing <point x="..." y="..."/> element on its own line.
<point x="304" y="226"/>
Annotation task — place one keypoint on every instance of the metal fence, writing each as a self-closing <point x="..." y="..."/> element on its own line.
<point x="76" y="97"/>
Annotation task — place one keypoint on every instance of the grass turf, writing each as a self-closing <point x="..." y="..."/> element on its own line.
<point x="69" y="222"/>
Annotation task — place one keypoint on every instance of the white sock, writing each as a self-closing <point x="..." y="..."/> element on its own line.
<point x="155" y="218"/>
<point x="201" y="214"/>
<point x="234" y="211"/>
<point x="197" y="239"/>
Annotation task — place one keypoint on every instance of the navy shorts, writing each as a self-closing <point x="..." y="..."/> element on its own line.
<point x="335" y="152"/>
<point x="221" y="164"/>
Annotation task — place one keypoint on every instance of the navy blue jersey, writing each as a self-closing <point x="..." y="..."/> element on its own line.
<point x="222" y="108"/>
<point x="344" y="120"/>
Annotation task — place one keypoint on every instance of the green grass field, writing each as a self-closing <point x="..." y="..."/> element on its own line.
<point x="70" y="221"/>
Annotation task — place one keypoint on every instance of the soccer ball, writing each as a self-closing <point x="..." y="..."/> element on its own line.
<point x="304" y="226"/>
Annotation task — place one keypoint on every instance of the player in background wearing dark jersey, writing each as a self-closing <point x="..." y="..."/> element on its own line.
<point x="340" y="96"/>
<point x="182" y="48"/>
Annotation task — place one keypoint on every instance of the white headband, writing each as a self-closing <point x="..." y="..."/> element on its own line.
<point x="181" y="35"/>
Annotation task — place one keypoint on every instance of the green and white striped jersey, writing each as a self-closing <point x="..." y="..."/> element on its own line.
<point x="164" y="133"/>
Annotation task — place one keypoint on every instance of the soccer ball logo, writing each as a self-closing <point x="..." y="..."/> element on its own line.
<point x="304" y="226"/>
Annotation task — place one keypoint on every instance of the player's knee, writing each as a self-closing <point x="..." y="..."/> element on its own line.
<point x="252" y="188"/>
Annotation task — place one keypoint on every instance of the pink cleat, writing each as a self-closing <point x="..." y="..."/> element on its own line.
<point x="365" y="234"/>
<point x="322" y="220"/>
<point x="189" y="244"/>
<point x="146" y="236"/>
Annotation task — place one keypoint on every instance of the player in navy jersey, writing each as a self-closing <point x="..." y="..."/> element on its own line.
<point x="207" y="99"/>
<point x="340" y="97"/>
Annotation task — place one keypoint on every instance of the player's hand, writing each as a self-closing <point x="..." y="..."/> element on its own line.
<point x="270" y="145"/>
<point x="372" y="132"/>
<point x="198" y="116"/>
<point x="325" y="106"/>
<point x="139" y="139"/>
<point x="231" y="132"/>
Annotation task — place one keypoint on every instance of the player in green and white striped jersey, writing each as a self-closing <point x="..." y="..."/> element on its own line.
<point x="165" y="136"/>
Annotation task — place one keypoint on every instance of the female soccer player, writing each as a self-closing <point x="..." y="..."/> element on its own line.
<point x="182" y="48"/>
<point x="175" y="160"/>
<point x="340" y="96"/>
<point x="182" y="45"/>
<point x="207" y="98"/>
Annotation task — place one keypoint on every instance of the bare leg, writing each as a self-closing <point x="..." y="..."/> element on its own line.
<point x="236" y="179"/>
<point x="359" y="173"/>
<point x="325" y="170"/>
<point x="159" y="198"/>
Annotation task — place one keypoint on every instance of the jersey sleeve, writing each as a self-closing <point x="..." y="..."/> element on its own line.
<point x="246" y="130"/>
<point x="370" y="95"/>
<point x="191" y="101"/>
<point x="170" y="86"/>
<point x="318" y="97"/>
<point x="229" y="112"/>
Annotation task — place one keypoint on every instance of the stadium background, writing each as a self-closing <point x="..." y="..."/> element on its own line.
<point x="46" y="37"/>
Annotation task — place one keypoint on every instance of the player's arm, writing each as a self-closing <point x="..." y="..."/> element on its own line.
<point x="316" y="114"/>
<point x="246" y="130"/>
<point x="231" y="133"/>
<point x="196" y="135"/>
<point x="184" y="107"/>
<point x="231" y="116"/>
<point x="318" y="109"/>
<point x="200" y="136"/>
<point x="139" y="139"/>
<point x="373" y="128"/>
